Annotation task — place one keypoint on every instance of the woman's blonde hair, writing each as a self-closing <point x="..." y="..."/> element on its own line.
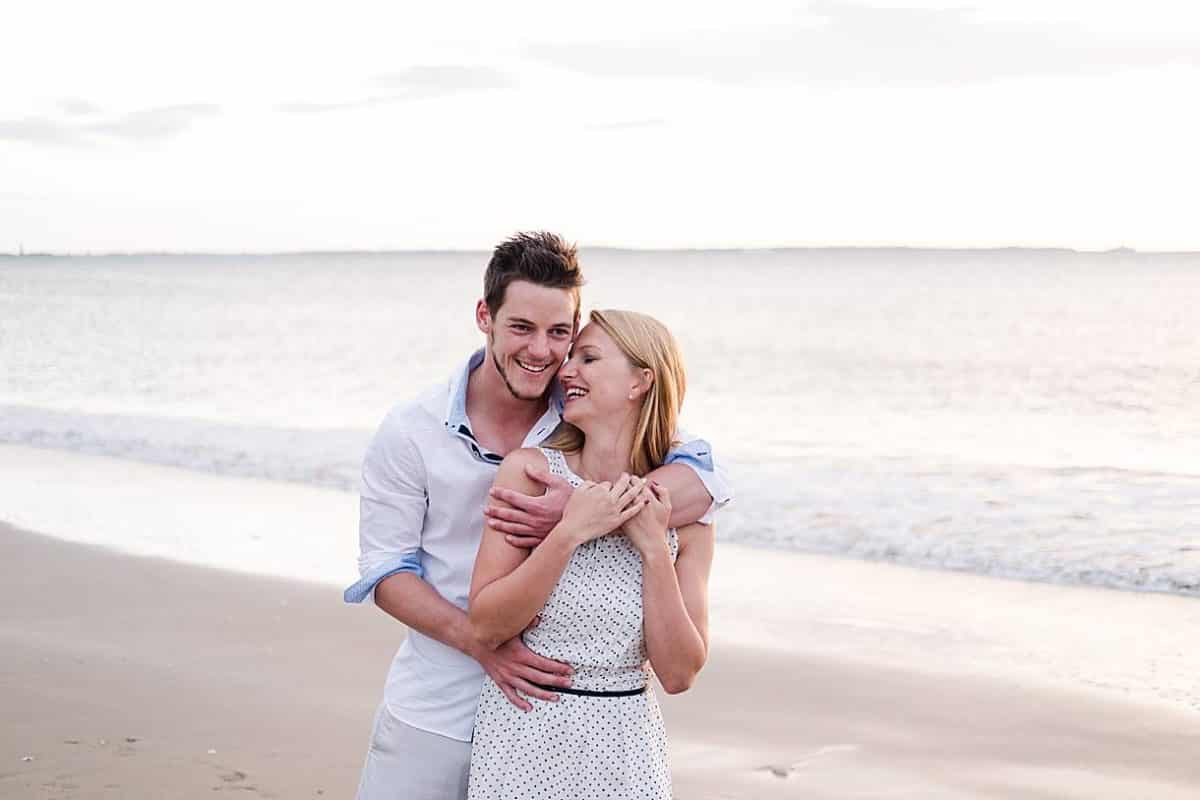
<point x="647" y="344"/>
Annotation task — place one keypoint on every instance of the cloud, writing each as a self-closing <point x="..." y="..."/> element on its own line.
<point x="316" y="108"/>
<point x="37" y="130"/>
<point x="154" y="124"/>
<point x="625" y="125"/>
<point x="838" y="43"/>
<point x="321" y="108"/>
<point x="76" y="107"/>
<point x="444" y="79"/>
<point x="414" y="83"/>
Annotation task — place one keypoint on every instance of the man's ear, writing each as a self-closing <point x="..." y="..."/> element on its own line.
<point x="483" y="317"/>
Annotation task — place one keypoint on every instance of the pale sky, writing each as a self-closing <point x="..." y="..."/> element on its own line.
<point x="255" y="126"/>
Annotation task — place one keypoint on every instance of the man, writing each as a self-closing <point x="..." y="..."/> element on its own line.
<point x="425" y="482"/>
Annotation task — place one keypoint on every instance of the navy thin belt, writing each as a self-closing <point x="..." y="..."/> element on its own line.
<point x="590" y="693"/>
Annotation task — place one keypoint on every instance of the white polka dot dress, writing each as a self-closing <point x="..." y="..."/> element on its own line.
<point x="582" y="748"/>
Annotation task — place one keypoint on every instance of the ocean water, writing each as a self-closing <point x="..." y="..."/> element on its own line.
<point x="1023" y="413"/>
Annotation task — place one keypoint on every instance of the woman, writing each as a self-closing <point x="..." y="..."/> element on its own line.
<point x="606" y="601"/>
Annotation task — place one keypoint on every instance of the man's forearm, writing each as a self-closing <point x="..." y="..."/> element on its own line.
<point x="418" y="605"/>
<point x="689" y="499"/>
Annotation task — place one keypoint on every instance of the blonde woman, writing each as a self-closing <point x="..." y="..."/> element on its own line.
<point x="611" y="587"/>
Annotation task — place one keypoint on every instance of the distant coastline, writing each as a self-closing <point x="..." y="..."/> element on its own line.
<point x="864" y="249"/>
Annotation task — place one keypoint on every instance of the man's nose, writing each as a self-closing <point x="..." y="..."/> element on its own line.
<point x="540" y="347"/>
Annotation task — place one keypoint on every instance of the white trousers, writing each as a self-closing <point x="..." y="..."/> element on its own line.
<point x="407" y="763"/>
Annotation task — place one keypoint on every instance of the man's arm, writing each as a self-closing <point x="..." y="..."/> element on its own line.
<point x="418" y="605"/>
<point x="697" y="503"/>
<point x="526" y="519"/>
<point x="512" y="666"/>
<point x="690" y="499"/>
<point x="392" y="506"/>
<point x="698" y="488"/>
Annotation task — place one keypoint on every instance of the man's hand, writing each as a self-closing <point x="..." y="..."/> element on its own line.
<point x="514" y="667"/>
<point x="530" y="518"/>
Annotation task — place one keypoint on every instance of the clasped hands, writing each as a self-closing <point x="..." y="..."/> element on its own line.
<point x="638" y="507"/>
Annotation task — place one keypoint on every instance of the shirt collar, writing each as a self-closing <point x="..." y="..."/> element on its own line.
<point x="456" y="407"/>
<point x="456" y="410"/>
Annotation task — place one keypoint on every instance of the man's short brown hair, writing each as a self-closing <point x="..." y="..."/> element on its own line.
<point x="539" y="257"/>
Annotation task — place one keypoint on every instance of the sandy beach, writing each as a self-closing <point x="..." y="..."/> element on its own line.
<point x="135" y="677"/>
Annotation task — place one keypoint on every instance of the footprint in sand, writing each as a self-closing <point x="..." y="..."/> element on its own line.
<point x="234" y="780"/>
<point x="810" y="759"/>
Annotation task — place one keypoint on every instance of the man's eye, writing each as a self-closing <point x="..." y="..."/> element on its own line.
<point x="520" y="328"/>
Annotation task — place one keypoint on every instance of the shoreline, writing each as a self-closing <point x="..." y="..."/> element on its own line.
<point x="118" y="499"/>
<point x="126" y="671"/>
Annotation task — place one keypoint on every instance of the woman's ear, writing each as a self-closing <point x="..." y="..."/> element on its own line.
<point x="645" y="381"/>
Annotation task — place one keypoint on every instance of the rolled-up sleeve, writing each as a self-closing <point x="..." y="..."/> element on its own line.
<point x="698" y="454"/>
<point x="392" y="505"/>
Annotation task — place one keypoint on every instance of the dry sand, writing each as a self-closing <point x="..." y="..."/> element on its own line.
<point x="130" y="677"/>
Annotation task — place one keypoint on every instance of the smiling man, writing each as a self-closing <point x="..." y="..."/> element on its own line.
<point x="425" y="482"/>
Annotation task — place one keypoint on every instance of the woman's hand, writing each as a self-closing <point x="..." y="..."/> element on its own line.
<point x="597" y="509"/>
<point x="647" y="531"/>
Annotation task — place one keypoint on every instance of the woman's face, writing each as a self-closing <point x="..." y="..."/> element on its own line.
<point x="597" y="378"/>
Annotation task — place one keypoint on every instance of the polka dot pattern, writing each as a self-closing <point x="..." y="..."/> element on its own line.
<point x="583" y="748"/>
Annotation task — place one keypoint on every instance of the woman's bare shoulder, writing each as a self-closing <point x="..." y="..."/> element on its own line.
<point x="512" y="468"/>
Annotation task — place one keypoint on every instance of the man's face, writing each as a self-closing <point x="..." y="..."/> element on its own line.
<point x="529" y="336"/>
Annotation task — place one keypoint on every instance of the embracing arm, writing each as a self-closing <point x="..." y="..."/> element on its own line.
<point x="690" y="499"/>
<point x="415" y="603"/>
<point x="697" y="484"/>
<point x="527" y="516"/>
<point x="675" y="607"/>
<point x="392" y="517"/>
<point x="512" y="665"/>
<point x="510" y="584"/>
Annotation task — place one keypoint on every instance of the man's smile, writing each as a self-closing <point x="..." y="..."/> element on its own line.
<point x="534" y="368"/>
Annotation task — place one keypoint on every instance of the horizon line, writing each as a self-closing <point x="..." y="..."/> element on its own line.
<point x="612" y="248"/>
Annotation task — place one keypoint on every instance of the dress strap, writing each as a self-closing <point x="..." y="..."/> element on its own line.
<point x="556" y="460"/>
<point x="558" y="465"/>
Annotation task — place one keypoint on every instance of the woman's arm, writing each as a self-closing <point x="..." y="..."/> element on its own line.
<point x="697" y="487"/>
<point x="501" y="602"/>
<point x="511" y="584"/>
<point x="675" y="607"/>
